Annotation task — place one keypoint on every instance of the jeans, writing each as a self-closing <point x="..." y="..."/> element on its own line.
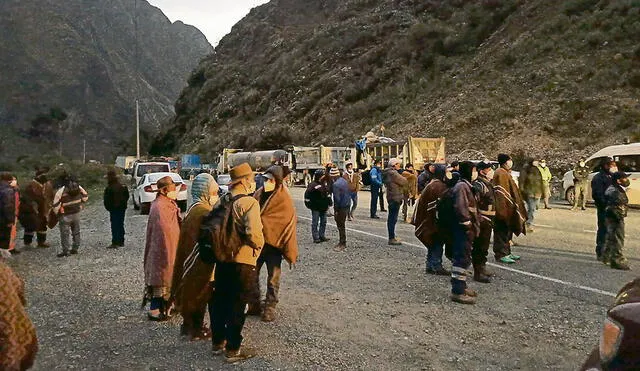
<point x="462" y="239"/>
<point x="233" y="287"/>
<point x="394" y="211"/>
<point x="434" y="255"/>
<point x="318" y="224"/>
<point x="117" y="227"/>
<point x="381" y="196"/>
<point x="601" y="236"/>
<point x="375" y="193"/>
<point x="340" y="216"/>
<point x="272" y="257"/>
<point x="354" y="203"/>
<point x="69" y="224"/>
<point x="532" y="205"/>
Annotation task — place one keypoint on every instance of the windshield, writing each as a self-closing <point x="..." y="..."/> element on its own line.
<point x="152" y="168"/>
<point x="224" y="179"/>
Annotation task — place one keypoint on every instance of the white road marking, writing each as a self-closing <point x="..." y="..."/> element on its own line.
<point x="588" y="231"/>
<point x="543" y="225"/>
<point x="519" y="271"/>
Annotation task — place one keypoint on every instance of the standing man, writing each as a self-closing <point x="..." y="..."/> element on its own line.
<point x="68" y="202"/>
<point x="116" y="198"/>
<point x="546" y="182"/>
<point x="426" y="176"/>
<point x="486" y="214"/>
<point x="235" y="276"/>
<point x="353" y="179"/>
<point x="510" y="211"/>
<point x="599" y="185"/>
<point x="33" y="213"/>
<point x="341" y="206"/>
<point x="465" y="230"/>
<point x="532" y="190"/>
<point x="396" y="185"/>
<point x="279" y="226"/>
<point x="7" y="211"/>
<point x="616" y="210"/>
<point x="580" y="179"/>
<point x="163" y="234"/>
<point x="411" y="191"/>
<point x="376" y="188"/>
<point x="428" y="229"/>
<point x="318" y="199"/>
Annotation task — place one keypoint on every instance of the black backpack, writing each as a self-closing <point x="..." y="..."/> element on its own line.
<point x="217" y="239"/>
<point x="445" y="214"/>
<point x="366" y="178"/>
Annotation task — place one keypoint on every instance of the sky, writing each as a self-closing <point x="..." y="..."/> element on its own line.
<point x="213" y="17"/>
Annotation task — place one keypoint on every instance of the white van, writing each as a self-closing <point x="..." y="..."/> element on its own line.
<point x="627" y="156"/>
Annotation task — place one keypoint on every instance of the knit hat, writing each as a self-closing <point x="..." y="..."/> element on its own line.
<point x="334" y="172"/>
<point x="393" y="162"/>
<point x="239" y="172"/>
<point x="503" y="158"/>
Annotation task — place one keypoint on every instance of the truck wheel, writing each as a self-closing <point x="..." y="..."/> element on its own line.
<point x="570" y="196"/>
<point x="307" y="179"/>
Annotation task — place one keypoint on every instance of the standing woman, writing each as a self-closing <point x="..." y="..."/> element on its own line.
<point x="192" y="285"/>
<point x="116" y="198"/>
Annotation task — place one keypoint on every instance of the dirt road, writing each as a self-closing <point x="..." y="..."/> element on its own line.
<point x="371" y="307"/>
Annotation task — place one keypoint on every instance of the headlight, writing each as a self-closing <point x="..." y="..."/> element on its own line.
<point x="610" y="340"/>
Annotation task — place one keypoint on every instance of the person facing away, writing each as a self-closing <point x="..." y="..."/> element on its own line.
<point x="33" y="211"/>
<point x="425" y="177"/>
<point x="510" y="211"/>
<point x="599" y="185"/>
<point x="354" y="179"/>
<point x="532" y="190"/>
<point x="376" y="188"/>
<point x="318" y="199"/>
<point x="7" y="211"/>
<point x="580" y="184"/>
<point x="279" y="226"/>
<point x="116" y="199"/>
<point x="68" y="202"/>
<point x="465" y="229"/>
<point x="428" y="230"/>
<point x="191" y="285"/>
<point x="163" y="233"/>
<point x="235" y="276"/>
<point x="341" y="206"/>
<point x="617" y="204"/>
<point x="396" y="185"/>
<point x="546" y="182"/>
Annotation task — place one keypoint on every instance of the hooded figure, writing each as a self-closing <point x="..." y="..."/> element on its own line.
<point x="279" y="223"/>
<point x="191" y="287"/>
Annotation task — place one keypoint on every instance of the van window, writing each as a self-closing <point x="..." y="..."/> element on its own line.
<point x="152" y="168"/>
<point x="628" y="163"/>
<point x="595" y="164"/>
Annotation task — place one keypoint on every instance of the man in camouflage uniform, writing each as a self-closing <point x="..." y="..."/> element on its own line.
<point x="580" y="183"/>
<point x="616" y="210"/>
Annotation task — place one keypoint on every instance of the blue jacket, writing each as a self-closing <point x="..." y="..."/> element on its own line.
<point x="341" y="194"/>
<point x="376" y="176"/>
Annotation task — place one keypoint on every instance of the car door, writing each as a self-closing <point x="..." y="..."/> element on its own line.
<point x="630" y="164"/>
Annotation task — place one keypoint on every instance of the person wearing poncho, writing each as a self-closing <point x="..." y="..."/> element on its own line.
<point x="191" y="286"/>
<point x="279" y="222"/>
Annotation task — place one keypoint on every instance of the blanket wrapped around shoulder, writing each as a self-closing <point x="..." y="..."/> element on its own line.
<point x="509" y="204"/>
<point x="428" y="231"/>
<point x="279" y="221"/>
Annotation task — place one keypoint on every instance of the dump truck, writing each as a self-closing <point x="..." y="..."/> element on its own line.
<point x="259" y="160"/>
<point x="125" y="162"/>
<point x="306" y="160"/>
<point x="416" y="151"/>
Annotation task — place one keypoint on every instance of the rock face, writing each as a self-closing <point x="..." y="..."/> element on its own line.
<point x="534" y="77"/>
<point x="72" y="70"/>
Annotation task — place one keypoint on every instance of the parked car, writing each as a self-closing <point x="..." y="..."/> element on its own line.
<point x="146" y="191"/>
<point x="141" y="168"/>
<point x="627" y="156"/>
<point x="620" y="336"/>
<point x="223" y="182"/>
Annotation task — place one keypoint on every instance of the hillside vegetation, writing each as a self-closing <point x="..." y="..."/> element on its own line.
<point x="538" y="77"/>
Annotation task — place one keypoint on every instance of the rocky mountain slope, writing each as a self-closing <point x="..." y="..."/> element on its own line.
<point x="72" y="70"/>
<point x="534" y="77"/>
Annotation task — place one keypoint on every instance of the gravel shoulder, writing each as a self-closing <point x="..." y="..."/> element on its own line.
<point x="370" y="307"/>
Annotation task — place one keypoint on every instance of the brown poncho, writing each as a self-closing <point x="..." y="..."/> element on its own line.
<point x="279" y="222"/>
<point x="509" y="205"/>
<point x="18" y="341"/>
<point x="163" y="232"/>
<point x="427" y="228"/>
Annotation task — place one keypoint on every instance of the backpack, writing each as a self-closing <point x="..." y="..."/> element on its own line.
<point x="217" y="238"/>
<point x="72" y="188"/>
<point x="366" y="178"/>
<point x="445" y="214"/>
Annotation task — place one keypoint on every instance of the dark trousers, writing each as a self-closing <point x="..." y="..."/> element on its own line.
<point x="354" y="203"/>
<point x="117" y="227"/>
<point x="501" y="236"/>
<point x="233" y="287"/>
<point x="614" y="241"/>
<point x="394" y="211"/>
<point x="408" y="201"/>
<point x="601" y="236"/>
<point x="462" y="240"/>
<point x="272" y="257"/>
<point x="434" y="255"/>
<point x="375" y="194"/>
<point x="193" y="322"/>
<point x="5" y="237"/>
<point x="481" y="244"/>
<point x="340" y="216"/>
<point x="381" y="196"/>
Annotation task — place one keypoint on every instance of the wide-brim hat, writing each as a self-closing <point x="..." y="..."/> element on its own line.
<point x="482" y="165"/>
<point x="164" y="182"/>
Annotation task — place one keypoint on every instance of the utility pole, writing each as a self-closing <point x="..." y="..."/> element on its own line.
<point x="84" y="151"/>
<point x="60" y="141"/>
<point x="137" y="130"/>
